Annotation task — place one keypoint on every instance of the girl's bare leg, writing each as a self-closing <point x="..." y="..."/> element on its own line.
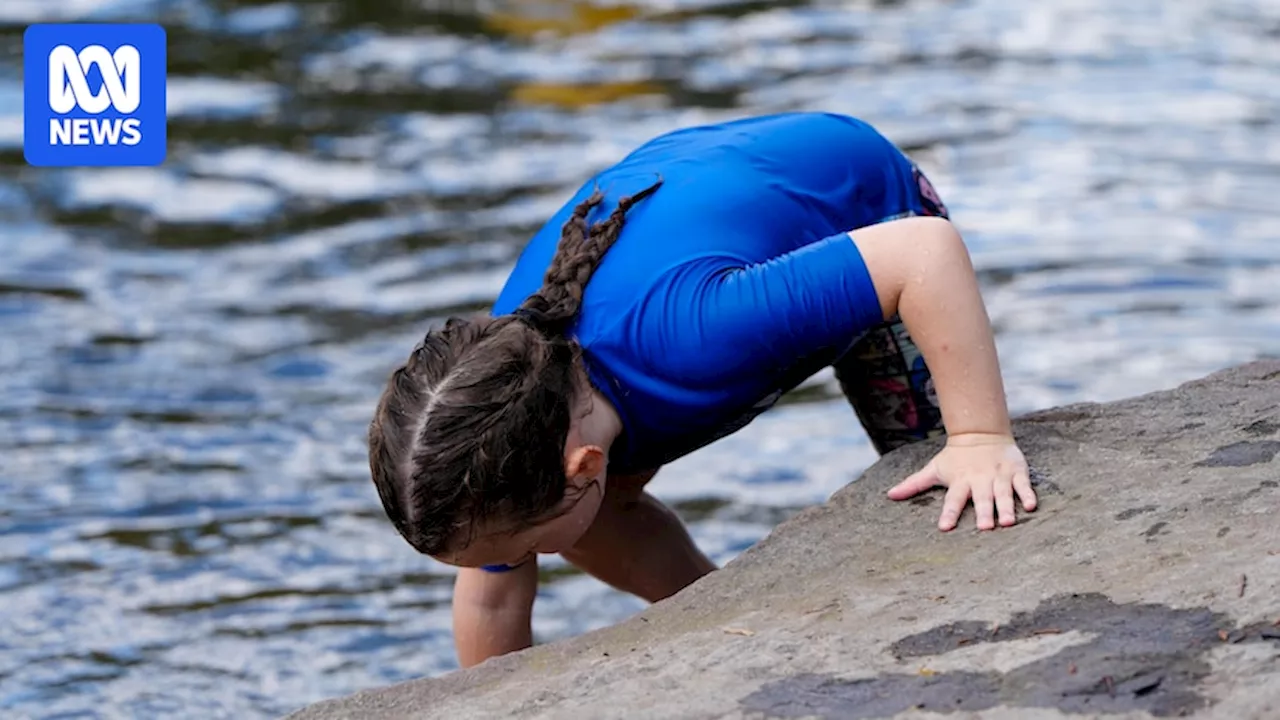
<point x="638" y="545"/>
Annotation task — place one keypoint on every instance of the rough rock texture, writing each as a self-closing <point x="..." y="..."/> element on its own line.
<point x="1147" y="585"/>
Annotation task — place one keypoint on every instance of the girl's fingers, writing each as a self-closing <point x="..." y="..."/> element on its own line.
<point x="952" y="506"/>
<point x="983" y="497"/>
<point x="1022" y="484"/>
<point x="1004" y="502"/>
<point x="916" y="483"/>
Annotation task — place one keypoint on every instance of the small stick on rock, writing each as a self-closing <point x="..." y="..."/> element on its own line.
<point x="834" y="604"/>
<point x="1244" y="582"/>
<point x="739" y="631"/>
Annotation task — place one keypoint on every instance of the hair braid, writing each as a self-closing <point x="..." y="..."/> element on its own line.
<point x="579" y="253"/>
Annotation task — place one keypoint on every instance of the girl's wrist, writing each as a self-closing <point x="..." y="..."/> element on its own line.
<point x="974" y="439"/>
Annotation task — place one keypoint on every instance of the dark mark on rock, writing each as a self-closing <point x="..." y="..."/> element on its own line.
<point x="885" y="696"/>
<point x="1264" y="485"/>
<point x="1242" y="454"/>
<point x="1192" y="426"/>
<point x="1222" y="532"/>
<point x="1139" y="658"/>
<point x="1135" y="512"/>
<point x="1140" y="685"/>
<point x="1042" y="483"/>
<point x="941" y="639"/>
<point x="1151" y="532"/>
<point x="922" y="500"/>
<point x="1262" y="428"/>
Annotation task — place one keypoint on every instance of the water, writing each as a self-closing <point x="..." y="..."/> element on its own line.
<point x="189" y="355"/>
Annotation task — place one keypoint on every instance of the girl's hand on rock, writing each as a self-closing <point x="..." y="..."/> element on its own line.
<point x="987" y="468"/>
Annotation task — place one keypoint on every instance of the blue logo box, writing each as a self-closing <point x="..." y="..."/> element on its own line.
<point x="94" y="94"/>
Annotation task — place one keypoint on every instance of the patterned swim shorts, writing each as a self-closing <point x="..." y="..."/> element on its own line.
<point x="884" y="376"/>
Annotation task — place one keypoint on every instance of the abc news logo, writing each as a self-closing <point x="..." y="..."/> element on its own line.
<point x="94" y="94"/>
<point x="69" y="89"/>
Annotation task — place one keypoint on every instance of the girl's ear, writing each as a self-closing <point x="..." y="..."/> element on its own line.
<point x="584" y="464"/>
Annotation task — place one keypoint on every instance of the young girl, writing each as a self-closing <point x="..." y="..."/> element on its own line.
<point x="671" y="301"/>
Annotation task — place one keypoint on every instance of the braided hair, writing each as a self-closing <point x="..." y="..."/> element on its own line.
<point x="472" y="427"/>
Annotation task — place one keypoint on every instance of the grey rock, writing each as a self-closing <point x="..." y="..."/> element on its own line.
<point x="1146" y="585"/>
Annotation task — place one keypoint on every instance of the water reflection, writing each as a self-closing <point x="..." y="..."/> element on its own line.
<point x="533" y="18"/>
<point x="189" y="354"/>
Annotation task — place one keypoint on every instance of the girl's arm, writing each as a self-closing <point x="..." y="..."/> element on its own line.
<point x="922" y="272"/>
<point x="722" y="318"/>
<point x="492" y="612"/>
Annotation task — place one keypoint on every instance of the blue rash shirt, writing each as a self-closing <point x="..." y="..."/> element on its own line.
<point x="734" y="281"/>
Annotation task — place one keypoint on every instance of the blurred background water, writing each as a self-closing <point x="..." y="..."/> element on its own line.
<point x="189" y="355"/>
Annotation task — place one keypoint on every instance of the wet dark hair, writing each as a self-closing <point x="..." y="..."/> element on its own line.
<point x="471" y="428"/>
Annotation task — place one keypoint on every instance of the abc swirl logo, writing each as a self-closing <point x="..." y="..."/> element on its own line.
<point x="94" y="95"/>
<point x="69" y="89"/>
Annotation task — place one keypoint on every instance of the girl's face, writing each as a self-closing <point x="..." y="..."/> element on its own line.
<point x="565" y="526"/>
<point x="555" y="535"/>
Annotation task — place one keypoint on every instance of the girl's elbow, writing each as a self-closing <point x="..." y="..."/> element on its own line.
<point x="950" y="245"/>
<point x="910" y="252"/>
<point x="934" y="251"/>
<point x="937" y="235"/>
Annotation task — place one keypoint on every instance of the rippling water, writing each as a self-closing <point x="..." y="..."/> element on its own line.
<point x="189" y="355"/>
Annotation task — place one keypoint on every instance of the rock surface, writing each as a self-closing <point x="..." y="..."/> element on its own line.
<point x="1146" y="585"/>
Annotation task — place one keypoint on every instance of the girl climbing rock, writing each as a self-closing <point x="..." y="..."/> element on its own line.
<point x="672" y="300"/>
